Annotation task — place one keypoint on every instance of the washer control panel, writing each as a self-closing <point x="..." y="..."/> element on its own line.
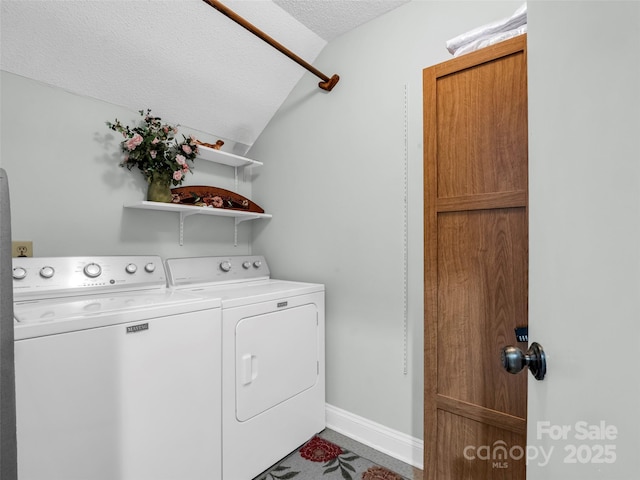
<point x="43" y="277"/>
<point x="197" y="270"/>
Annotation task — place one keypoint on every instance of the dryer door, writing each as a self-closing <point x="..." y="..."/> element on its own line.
<point x="276" y="358"/>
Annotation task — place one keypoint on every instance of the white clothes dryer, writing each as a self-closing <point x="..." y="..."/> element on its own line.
<point x="273" y="363"/>
<point x="117" y="377"/>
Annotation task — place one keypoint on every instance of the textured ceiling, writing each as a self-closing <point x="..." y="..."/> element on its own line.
<point x="331" y="18"/>
<point x="183" y="59"/>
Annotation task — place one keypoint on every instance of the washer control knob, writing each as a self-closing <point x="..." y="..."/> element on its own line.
<point x="47" y="272"/>
<point x="131" y="268"/>
<point x="225" y="266"/>
<point x="246" y="265"/>
<point x="92" y="270"/>
<point x="257" y="264"/>
<point x="19" y="273"/>
<point x="150" y="267"/>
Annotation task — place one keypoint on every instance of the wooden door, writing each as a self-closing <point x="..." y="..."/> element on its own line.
<point x="476" y="249"/>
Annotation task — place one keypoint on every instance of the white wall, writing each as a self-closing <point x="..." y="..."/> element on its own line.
<point x="334" y="181"/>
<point x="584" y="104"/>
<point x="67" y="190"/>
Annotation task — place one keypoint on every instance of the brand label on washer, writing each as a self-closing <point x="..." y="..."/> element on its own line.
<point x="282" y="304"/>
<point x="138" y="328"/>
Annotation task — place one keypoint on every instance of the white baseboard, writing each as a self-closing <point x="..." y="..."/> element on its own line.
<point x="396" y="444"/>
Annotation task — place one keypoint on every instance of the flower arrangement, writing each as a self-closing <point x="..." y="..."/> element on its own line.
<point x="152" y="148"/>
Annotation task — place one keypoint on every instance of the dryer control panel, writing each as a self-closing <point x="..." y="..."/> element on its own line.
<point x="207" y="270"/>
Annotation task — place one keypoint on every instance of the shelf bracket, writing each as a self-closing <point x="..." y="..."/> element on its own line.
<point x="244" y="219"/>
<point x="241" y="170"/>
<point x="238" y="221"/>
<point x="183" y="215"/>
<point x="187" y="211"/>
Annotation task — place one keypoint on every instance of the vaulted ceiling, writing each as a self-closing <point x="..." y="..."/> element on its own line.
<point x="182" y="58"/>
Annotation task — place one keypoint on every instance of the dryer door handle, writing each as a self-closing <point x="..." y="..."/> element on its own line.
<point x="249" y="368"/>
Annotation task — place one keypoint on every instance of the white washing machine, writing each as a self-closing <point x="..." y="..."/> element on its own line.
<point x="273" y="364"/>
<point x="117" y="377"/>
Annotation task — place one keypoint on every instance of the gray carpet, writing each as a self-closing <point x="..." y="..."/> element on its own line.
<point x="322" y="459"/>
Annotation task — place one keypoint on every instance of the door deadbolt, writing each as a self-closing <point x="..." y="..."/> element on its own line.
<point x="514" y="360"/>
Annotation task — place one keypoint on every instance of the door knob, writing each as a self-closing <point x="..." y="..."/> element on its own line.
<point x="514" y="360"/>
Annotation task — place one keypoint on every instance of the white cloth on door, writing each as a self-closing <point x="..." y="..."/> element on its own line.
<point x="490" y="40"/>
<point x="485" y="32"/>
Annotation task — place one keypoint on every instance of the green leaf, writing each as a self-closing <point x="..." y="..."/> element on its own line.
<point x="331" y="469"/>
<point x="345" y="474"/>
<point x="350" y="459"/>
<point x="346" y="465"/>
<point x="287" y="475"/>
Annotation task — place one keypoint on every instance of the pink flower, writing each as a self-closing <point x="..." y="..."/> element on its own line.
<point x="133" y="142"/>
<point x="186" y="149"/>
<point x="181" y="160"/>
<point x="177" y="175"/>
<point x="217" y="201"/>
<point x="153" y="153"/>
<point x="185" y="168"/>
<point x="155" y="140"/>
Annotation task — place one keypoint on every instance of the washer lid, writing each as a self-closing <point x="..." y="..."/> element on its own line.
<point x="51" y="316"/>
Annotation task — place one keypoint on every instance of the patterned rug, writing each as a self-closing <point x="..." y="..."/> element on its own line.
<point x="320" y="459"/>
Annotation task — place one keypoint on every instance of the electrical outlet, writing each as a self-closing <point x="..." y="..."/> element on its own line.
<point x="22" y="249"/>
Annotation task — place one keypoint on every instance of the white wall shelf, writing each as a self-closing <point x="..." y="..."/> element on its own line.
<point x="188" y="210"/>
<point x="216" y="156"/>
<point x="225" y="158"/>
